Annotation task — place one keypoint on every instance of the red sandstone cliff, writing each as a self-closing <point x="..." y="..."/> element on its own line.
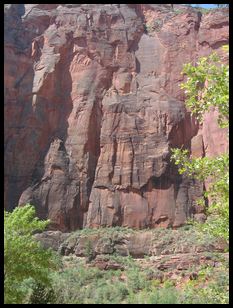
<point x="93" y="106"/>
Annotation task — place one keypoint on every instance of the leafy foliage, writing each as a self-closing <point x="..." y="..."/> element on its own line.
<point x="216" y="170"/>
<point x="211" y="287"/>
<point x="207" y="86"/>
<point x="41" y="294"/>
<point x="89" y="251"/>
<point x="24" y="257"/>
<point x="153" y="25"/>
<point x="88" y="285"/>
<point x="77" y="282"/>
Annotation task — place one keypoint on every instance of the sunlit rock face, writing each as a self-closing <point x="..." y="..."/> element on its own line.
<point x="93" y="106"/>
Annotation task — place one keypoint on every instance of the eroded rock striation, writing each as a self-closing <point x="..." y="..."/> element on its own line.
<point x="93" y="106"/>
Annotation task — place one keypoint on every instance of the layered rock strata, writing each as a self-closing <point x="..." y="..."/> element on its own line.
<point x="93" y="106"/>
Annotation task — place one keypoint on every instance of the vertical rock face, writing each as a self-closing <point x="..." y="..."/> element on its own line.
<point x="93" y="106"/>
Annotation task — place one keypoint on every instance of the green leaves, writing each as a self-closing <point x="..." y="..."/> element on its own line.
<point x="216" y="170"/>
<point x="207" y="86"/>
<point x="23" y="221"/>
<point x="23" y="256"/>
<point x="201" y="168"/>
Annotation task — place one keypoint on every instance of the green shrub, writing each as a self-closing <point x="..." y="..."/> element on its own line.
<point x="89" y="285"/>
<point x="42" y="294"/>
<point x="207" y="87"/>
<point x="154" y="25"/>
<point x="24" y="256"/>
<point x="89" y="251"/>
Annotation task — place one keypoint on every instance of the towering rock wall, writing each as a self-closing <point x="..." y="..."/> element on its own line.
<point x="93" y="106"/>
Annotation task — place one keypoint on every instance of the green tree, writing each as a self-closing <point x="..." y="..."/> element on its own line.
<point x="207" y="87"/>
<point x="24" y="257"/>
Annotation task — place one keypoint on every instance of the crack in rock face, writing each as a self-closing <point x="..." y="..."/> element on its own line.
<point x="93" y="105"/>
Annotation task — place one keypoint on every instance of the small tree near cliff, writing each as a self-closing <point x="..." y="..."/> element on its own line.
<point x="24" y="257"/>
<point x="207" y="86"/>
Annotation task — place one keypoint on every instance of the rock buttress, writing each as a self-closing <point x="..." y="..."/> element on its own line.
<point x="93" y="106"/>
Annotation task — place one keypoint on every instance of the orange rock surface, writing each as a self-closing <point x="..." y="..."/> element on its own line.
<point x="93" y="106"/>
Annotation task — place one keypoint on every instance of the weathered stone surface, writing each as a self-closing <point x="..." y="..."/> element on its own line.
<point x="136" y="244"/>
<point x="178" y="262"/>
<point x="172" y="254"/>
<point x="103" y="263"/>
<point x="51" y="239"/>
<point x="93" y="106"/>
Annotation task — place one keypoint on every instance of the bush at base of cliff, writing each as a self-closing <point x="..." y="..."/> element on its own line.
<point x="24" y="259"/>
<point x="207" y="290"/>
<point x="89" y="285"/>
<point x="89" y="252"/>
<point x="42" y="294"/>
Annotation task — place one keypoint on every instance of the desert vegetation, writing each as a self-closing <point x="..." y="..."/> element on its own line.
<point x="120" y="265"/>
<point x="103" y="278"/>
